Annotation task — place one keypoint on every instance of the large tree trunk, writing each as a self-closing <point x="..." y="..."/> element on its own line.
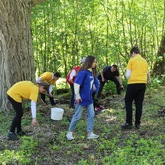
<point x="16" y="54"/>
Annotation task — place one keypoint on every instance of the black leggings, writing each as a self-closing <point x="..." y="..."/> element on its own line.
<point x="50" y="98"/>
<point x="16" y="123"/>
<point x="71" y="103"/>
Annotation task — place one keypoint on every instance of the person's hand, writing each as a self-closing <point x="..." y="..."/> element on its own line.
<point x="71" y="81"/>
<point x="103" y="79"/>
<point x="50" y="95"/>
<point x="34" y="122"/>
<point x="122" y="87"/>
<point x="78" y="99"/>
<point x="94" y="87"/>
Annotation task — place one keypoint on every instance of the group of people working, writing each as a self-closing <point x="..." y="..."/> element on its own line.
<point x="84" y="82"/>
<point x="108" y="73"/>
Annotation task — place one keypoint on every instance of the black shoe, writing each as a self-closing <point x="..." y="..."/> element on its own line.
<point x="73" y="107"/>
<point x="12" y="136"/>
<point x="22" y="133"/>
<point x="126" y="126"/>
<point x="137" y="126"/>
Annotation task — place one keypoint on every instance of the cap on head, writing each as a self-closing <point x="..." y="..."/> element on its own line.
<point x="82" y="60"/>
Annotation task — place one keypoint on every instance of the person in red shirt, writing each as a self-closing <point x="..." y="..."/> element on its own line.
<point x="70" y="79"/>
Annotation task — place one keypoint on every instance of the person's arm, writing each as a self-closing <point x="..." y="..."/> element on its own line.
<point x="128" y="74"/>
<point x="72" y="74"/>
<point x="50" y="89"/>
<point x="33" y="111"/>
<point x="77" y="92"/>
<point x="102" y="76"/>
<point x="120" y="81"/>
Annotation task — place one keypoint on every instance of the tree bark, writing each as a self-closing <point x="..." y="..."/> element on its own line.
<point x="159" y="67"/>
<point x="16" y="53"/>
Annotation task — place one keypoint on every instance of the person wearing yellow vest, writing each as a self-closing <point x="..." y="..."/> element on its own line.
<point x="20" y="91"/>
<point x="51" y="79"/>
<point x="138" y="76"/>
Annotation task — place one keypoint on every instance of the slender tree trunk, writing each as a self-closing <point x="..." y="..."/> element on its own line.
<point x="16" y="54"/>
<point x="159" y="67"/>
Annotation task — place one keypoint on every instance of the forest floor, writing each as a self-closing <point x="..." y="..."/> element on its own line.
<point x="46" y="144"/>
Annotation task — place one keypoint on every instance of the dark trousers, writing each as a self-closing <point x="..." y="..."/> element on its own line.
<point x="50" y="98"/>
<point x="115" y="80"/>
<point x="16" y="123"/>
<point x="135" y="92"/>
<point x="71" y="103"/>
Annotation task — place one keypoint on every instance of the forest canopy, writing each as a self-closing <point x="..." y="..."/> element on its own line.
<point x="65" y="31"/>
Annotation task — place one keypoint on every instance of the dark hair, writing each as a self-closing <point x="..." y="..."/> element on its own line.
<point x="115" y="66"/>
<point x="135" y="49"/>
<point x="57" y="74"/>
<point x="45" y="85"/>
<point x="88" y="64"/>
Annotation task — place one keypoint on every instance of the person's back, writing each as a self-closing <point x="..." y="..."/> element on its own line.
<point x="137" y="75"/>
<point x="110" y="73"/>
<point x="139" y="68"/>
<point x="72" y="75"/>
<point x="23" y="90"/>
<point x="47" y="77"/>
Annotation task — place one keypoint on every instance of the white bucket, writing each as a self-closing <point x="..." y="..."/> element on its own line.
<point x="57" y="113"/>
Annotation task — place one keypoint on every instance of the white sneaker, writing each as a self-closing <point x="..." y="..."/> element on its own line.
<point x="69" y="136"/>
<point x="91" y="135"/>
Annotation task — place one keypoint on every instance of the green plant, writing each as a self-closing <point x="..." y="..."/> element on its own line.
<point x="157" y="81"/>
<point x="28" y="145"/>
<point x="12" y="157"/>
<point x="142" y="151"/>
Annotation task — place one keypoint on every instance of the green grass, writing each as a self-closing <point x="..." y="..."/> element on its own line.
<point x="47" y="143"/>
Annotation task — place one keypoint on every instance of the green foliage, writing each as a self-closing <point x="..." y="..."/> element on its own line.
<point x="157" y="81"/>
<point x="26" y="104"/>
<point x="137" y="152"/>
<point x="28" y="145"/>
<point x="22" y="156"/>
<point x="65" y="31"/>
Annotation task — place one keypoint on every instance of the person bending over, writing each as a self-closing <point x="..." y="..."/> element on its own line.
<point x="51" y="79"/>
<point x="110" y="73"/>
<point x="23" y="90"/>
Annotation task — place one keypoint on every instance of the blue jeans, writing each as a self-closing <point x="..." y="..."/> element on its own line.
<point x="77" y="115"/>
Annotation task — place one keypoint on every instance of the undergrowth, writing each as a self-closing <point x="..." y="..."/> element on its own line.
<point x="47" y="143"/>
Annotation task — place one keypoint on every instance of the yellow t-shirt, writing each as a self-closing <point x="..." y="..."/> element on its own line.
<point x="47" y="77"/>
<point x="24" y="90"/>
<point x="139" y="68"/>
